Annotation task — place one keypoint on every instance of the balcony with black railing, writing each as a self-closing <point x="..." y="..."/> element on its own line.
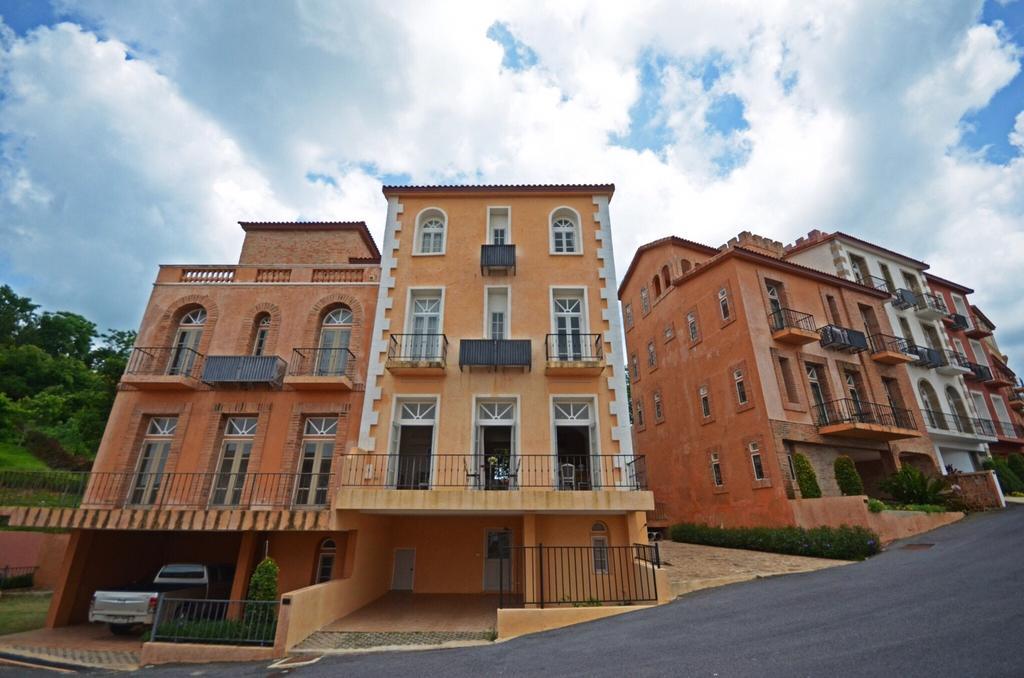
<point x="844" y="339"/>
<point x="891" y="350"/>
<point x="853" y="418"/>
<point x="1016" y="400"/>
<point x="875" y="282"/>
<point x="927" y="357"/>
<point x="1009" y="430"/>
<point x="1002" y="376"/>
<point x="903" y="298"/>
<point x="243" y="371"/>
<point x="574" y="354"/>
<point x="496" y="353"/>
<point x="978" y="372"/>
<point x="163" y="368"/>
<point x="931" y="306"/>
<point x="497" y="259"/>
<point x="322" y="369"/>
<point x="957" y="322"/>
<point x="793" y="327"/>
<point x="423" y="354"/>
<point x="946" y="424"/>
<point x="953" y="363"/>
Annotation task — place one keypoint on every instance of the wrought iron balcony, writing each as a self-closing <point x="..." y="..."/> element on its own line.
<point x="843" y="339"/>
<point x="322" y="369"/>
<point x="861" y="419"/>
<point x="940" y="422"/>
<point x="244" y="370"/>
<point x="875" y="282"/>
<point x="891" y="350"/>
<point x="574" y="354"/>
<point x="957" y="322"/>
<point x="792" y="327"/>
<point x="931" y="306"/>
<point x="1009" y="429"/>
<point x="163" y="367"/>
<point x="928" y="357"/>
<point x="417" y="353"/>
<point x="904" y="298"/>
<point x="495" y="353"/>
<point x="497" y="259"/>
<point x="978" y="372"/>
<point x="1001" y="376"/>
<point x="953" y="363"/>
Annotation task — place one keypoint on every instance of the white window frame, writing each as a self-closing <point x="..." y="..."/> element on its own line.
<point x="724" y="304"/>
<point x="980" y="356"/>
<point x="417" y="247"/>
<point x="739" y="380"/>
<point x="487" y="310"/>
<point x="555" y="290"/>
<point x="717" y="479"/>
<point x="516" y="421"/>
<point x="692" y="327"/>
<point x="755" y="451"/>
<point x="410" y="293"/>
<point x="489" y="234"/>
<point x="578" y="233"/>
<point x="599" y="543"/>
<point x="396" y="421"/>
<point x="704" y="396"/>
<point x="645" y="300"/>
<point x="960" y="304"/>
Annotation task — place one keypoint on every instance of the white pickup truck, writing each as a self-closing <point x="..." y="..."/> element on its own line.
<point x="125" y="607"/>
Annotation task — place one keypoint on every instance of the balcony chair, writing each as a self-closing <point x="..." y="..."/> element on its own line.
<point x="567" y="477"/>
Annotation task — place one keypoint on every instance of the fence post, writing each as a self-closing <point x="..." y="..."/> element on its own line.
<point x="540" y="572"/>
<point x="501" y="582"/>
<point x="156" y="617"/>
<point x="657" y="555"/>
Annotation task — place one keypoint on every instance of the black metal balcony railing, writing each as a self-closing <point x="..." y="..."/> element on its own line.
<point x="498" y="257"/>
<point x="243" y="369"/>
<point x="1007" y="429"/>
<point x="499" y="471"/>
<point x="786" y="317"/>
<point x="875" y="282"/>
<point x="955" y="359"/>
<point x="418" y="348"/>
<point x="904" y="298"/>
<point x="215" y="622"/>
<point x="927" y="357"/>
<point x="1003" y="374"/>
<point x="495" y="353"/>
<point x="958" y="322"/>
<point x="153" y="361"/>
<point x="850" y="411"/>
<point x="322" y="362"/>
<point x="887" y="342"/>
<point x="573" y="347"/>
<point x="979" y="372"/>
<point x="932" y="302"/>
<point x="843" y="339"/>
<point x="119" y="489"/>
<point x="946" y="421"/>
<point x="577" y="575"/>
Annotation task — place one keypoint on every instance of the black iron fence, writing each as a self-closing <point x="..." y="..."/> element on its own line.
<point x="417" y="348"/>
<point x="499" y="471"/>
<point x="931" y="302"/>
<point x="66" y="489"/>
<point x="219" y="622"/>
<point x="875" y="282"/>
<point x="322" y="362"/>
<point x="578" y="576"/>
<point x="956" y="359"/>
<point x="16" y="577"/>
<point x="842" y="339"/>
<point x="947" y="421"/>
<point x="888" y="342"/>
<point x="155" y="361"/>
<point x="788" y="318"/>
<point x="851" y="411"/>
<point x="495" y="353"/>
<point x="573" y="347"/>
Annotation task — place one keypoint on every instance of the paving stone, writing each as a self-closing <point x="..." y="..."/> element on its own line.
<point x="357" y="640"/>
<point x="93" y="658"/>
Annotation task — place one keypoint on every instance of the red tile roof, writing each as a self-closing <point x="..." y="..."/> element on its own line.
<point x="501" y="188"/>
<point x="801" y="246"/>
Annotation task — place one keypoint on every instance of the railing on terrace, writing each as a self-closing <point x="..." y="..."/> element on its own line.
<point x="956" y="359"/>
<point x="875" y="282"/>
<point x="207" y="275"/>
<point x="495" y="353"/>
<point x="927" y="300"/>
<point x="219" y="622"/>
<point x="887" y="342"/>
<point x="164" y="361"/>
<point x="979" y="372"/>
<point x="416" y="348"/>
<point x="850" y="411"/>
<point x="67" y="489"/>
<point x="1003" y="373"/>
<point x="573" y="347"/>
<point x="786" y="317"/>
<point x="842" y="338"/>
<point x="16" y="577"/>
<point x="214" y="274"/>
<point x="958" y="322"/>
<point x="927" y="357"/>
<point x="243" y="369"/>
<point x="322" y="362"/>
<point x="1007" y="429"/>
<point x="577" y="575"/>
<point x="500" y="472"/>
<point x="945" y="421"/>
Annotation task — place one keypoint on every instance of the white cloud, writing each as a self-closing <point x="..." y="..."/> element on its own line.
<point x="854" y="117"/>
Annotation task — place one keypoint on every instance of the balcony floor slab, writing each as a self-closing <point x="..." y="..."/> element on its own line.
<point x="868" y="431"/>
<point x="467" y="501"/>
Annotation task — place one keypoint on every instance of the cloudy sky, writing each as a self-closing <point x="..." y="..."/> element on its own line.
<point x="138" y="133"/>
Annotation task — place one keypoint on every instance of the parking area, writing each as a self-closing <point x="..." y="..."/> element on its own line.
<point x="90" y="645"/>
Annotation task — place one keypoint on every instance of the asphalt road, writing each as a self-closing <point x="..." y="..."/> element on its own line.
<point x="954" y="609"/>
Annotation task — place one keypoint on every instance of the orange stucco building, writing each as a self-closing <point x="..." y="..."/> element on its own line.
<point x="740" y="359"/>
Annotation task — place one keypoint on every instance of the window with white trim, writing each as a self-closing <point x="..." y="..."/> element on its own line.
<point x="658" y="413"/>
<point x="498" y="226"/>
<point x="741" y="386"/>
<point x="723" y="303"/>
<point x="705" y="402"/>
<point x="599" y="544"/>
<point x="645" y="301"/>
<point x="716" y="470"/>
<point x="755" y="460"/>
<point x="430" y="232"/>
<point x="565" y="237"/>
<point x="236" y="451"/>
<point x="692" y="328"/>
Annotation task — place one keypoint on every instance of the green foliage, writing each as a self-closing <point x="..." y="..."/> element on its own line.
<point x="841" y="543"/>
<point x="257" y="627"/>
<point x="805" y="477"/>
<point x="16" y="313"/>
<point x="925" y="508"/>
<point x="876" y="505"/>
<point x="910" y="486"/>
<point x="1016" y="464"/>
<point x="16" y="457"/>
<point x="21" y="581"/>
<point x="1009" y="481"/>
<point x="847" y="477"/>
<point x="263" y="583"/>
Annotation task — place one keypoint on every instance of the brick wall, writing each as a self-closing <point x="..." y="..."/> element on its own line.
<point x="302" y="247"/>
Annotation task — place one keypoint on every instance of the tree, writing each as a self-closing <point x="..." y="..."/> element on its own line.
<point x="805" y="477"/>
<point x="263" y="583"/>
<point x="63" y="335"/>
<point x="847" y="477"/>
<point x="1016" y="464"/>
<point x="16" y="313"/>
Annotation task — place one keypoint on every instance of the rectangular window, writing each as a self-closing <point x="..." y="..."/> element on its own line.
<point x="887" y="274"/>
<point x="497" y="313"/>
<point x="792" y="467"/>
<point x="156" y="448"/>
<point x="234" y="461"/>
<point x="600" y="549"/>
<point x="317" y="454"/>
<point x="723" y="303"/>
<point x="259" y="343"/>
<point x="860" y="270"/>
<point x="705" y="402"/>
<point x="960" y="304"/>
<point x="645" y="301"/>
<point x="658" y="414"/>
<point x="640" y="413"/>
<point x="788" y="381"/>
<point x="627" y="312"/>
<point x="905" y="329"/>
<point x="636" y="367"/>
<point x="911" y="282"/>
<point x="833" y="310"/>
<point x="741" y="387"/>
<point x="652" y="357"/>
<point x="980" y="356"/>
<point x="692" y="328"/>
<point x="755" y="461"/>
<point x="716" y="471"/>
<point x="498" y="226"/>
<point x="669" y="332"/>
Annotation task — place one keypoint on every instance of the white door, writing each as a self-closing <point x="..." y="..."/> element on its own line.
<point x="405" y="567"/>
<point x="569" y="326"/>
<point x="426" y="324"/>
<point x="496" y="564"/>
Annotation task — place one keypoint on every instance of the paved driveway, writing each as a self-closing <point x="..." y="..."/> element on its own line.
<point x="954" y="609"/>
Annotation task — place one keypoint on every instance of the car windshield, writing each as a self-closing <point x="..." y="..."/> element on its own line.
<point x="181" y="572"/>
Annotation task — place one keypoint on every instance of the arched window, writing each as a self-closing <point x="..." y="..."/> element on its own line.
<point x="335" y="333"/>
<point x="186" y="341"/>
<point x="932" y="408"/>
<point x="431" y="227"/>
<point x="565" y="237"/>
<point x="666" y="277"/>
<point x="599" y="546"/>
<point x="956" y="407"/>
<point x="260" y="332"/>
<point x="685" y="265"/>
<point x="656" y="284"/>
<point x="325" y="555"/>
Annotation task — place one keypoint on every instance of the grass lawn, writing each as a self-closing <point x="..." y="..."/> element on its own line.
<point x="22" y="612"/>
<point x="13" y="456"/>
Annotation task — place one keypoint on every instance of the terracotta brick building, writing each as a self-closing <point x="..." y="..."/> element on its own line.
<point x="739" y="359"/>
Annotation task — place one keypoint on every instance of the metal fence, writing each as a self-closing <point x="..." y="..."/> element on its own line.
<point x="786" y="317"/>
<point x="578" y="575"/>
<point x="848" y="410"/>
<point x="17" y="577"/>
<point x="322" y="362"/>
<point x="164" y="361"/>
<point x="887" y="342"/>
<point x="571" y="347"/>
<point x="494" y="471"/>
<point x="219" y="622"/>
<point x="418" y="348"/>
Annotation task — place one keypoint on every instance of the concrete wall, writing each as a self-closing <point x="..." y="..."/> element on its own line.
<point x="889" y="525"/>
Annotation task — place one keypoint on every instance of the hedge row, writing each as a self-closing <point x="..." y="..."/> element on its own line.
<point x="841" y="543"/>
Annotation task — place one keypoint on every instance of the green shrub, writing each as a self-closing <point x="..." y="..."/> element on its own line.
<point x="847" y="477"/>
<point x="805" y="477"/>
<point x="263" y="583"/>
<point x="21" y="581"/>
<point x="1016" y="464"/>
<point x="256" y="628"/>
<point x="876" y="505"/>
<point x="1008" y="480"/>
<point x="925" y="508"/>
<point x="841" y="543"/>
<point x="910" y="486"/>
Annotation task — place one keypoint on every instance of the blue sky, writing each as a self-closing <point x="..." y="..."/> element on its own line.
<point x="140" y="133"/>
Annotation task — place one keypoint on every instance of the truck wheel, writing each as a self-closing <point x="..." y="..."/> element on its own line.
<point x="121" y="629"/>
